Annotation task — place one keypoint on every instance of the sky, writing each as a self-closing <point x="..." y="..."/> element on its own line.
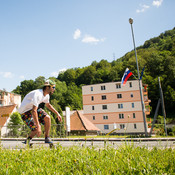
<point x="45" y="37"/>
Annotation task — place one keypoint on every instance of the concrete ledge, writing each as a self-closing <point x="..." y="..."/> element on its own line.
<point x="95" y="139"/>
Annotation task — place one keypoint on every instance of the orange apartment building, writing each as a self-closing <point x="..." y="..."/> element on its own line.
<point x="111" y="106"/>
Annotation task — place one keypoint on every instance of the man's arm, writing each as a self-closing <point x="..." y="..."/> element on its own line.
<point x="51" y="108"/>
<point x="35" y="118"/>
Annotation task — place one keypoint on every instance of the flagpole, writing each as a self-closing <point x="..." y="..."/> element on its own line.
<point x="140" y="86"/>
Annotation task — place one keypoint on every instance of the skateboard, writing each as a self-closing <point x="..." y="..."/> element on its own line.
<point x="51" y="145"/>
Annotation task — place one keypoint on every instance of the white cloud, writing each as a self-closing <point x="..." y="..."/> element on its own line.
<point x="86" y="39"/>
<point x="143" y="8"/>
<point x="157" y="3"/>
<point x="77" y="34"/>
<point x="91" y="39"/>
<point x="7" y="74"/>
<point x="55" y="74"/>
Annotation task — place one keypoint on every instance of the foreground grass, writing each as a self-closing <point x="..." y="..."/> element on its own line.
<point x="127" y="159"/>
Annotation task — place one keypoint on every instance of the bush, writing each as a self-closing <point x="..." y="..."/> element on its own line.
<point x="126" y="159"/>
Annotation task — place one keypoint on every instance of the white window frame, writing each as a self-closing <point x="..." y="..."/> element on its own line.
<point x="132" y="105"/>
<point x="105" y="117"/>
<point x="130" y="84"/>
<point x="104" y="107"/>
<point x="106" y="127"/>
<point x="135" y="126"/>
<point x="118" y="86"/>
<point x="102" y="97"/>
<point x="120" y="106"/>
<point x="122" y="126"/>
<point x="121" y="116"/>
<point x="119" y="95"/>
<point x="103" y="88"/>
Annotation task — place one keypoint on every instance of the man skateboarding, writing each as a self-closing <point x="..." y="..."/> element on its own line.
<point x="33" y="116"/>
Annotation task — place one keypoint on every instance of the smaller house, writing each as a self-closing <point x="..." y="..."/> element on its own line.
<point x="80" y="125"/>
<point x="5" y="112"/>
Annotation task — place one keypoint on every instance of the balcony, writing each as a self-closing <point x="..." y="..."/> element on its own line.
<point x="147" y="109"/>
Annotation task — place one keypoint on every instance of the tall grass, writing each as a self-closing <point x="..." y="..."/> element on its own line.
<point x="127" y="159"/>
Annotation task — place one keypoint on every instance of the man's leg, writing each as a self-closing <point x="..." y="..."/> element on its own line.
<point x="28" y="120"/>
<point x="47" y="125"/>
<point x="32" y="134"/>
<point x="45" y="119"/>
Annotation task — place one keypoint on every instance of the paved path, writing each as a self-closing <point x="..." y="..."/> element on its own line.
<point x="96" y="142"/>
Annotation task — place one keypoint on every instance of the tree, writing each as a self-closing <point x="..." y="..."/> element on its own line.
<point x="39" y="82"/>
<point x="87" y="76"/>
<point x="73" y="97"/>
<point x="15" y="124"/>
<point x="69" y="76"/>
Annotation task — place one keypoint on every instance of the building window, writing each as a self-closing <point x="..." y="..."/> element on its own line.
<point x="130" y="84"/>
<point x="103" y="97"/>
<point x="135" y="126"/>
<point x="93" y="117"/>
<point x="119" y="95"/>
<point x="105" y="117"/>
<point x="122" y="126"/>
<point x="134" y="115"/>
<point x="93" y="108"/>
<point x="132" y="105"/>
<point x="132" y="95"/>
<point x="103" y="88"/>
<point x="120" y="106"/>
<point x="92" y="98"/>
<point x="91" y="88"/>
<point x="121" y="116"/>
<point x="106" y="126"/>
<point x="118" y="86"/>
<point x="104" y="106"/>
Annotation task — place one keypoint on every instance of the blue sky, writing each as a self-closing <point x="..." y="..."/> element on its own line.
<point x="43" y="37"/>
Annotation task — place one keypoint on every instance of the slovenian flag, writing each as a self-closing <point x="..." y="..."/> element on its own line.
<point x="126" y="75"/>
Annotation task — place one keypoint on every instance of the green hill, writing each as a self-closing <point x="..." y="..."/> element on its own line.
<point x="156" y="54"/>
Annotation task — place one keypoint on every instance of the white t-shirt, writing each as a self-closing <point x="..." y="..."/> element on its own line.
<point x="34" y="97"/>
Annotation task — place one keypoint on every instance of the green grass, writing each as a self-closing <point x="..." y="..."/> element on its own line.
<point x="127" y="159"/>
<point x="116" y="136"/>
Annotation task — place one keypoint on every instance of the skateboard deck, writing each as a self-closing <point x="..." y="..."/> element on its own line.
<point x="51" y="145"/>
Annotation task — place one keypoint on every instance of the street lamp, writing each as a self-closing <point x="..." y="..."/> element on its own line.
<point x="140" y="86"/>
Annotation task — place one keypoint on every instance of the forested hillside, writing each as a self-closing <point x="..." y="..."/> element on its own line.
<point x="156" y="54"/>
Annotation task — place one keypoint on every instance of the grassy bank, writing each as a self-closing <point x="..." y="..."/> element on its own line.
<point x="74" y="160"/>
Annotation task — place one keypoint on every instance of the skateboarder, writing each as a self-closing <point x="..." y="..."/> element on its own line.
<point x="32" y="115"/>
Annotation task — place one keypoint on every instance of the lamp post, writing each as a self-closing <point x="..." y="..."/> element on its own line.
<point x="140" y="86"/>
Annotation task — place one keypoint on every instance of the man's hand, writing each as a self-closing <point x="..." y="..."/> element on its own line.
<point x="59" y="118"/>
<point x="38" y="130"/>
<point x="50" y="107"/>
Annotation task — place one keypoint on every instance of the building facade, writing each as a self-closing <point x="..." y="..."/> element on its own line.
<point x="110" y="106"/>
<point x="9" y="102"/>
<point x="8" y="98"/>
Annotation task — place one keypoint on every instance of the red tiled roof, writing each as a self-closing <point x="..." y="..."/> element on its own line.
<point x="79" y="122"/>
<point x="5" y="112"/>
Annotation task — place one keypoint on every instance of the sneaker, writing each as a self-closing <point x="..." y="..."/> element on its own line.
<point x="27" y="141"/>
<point x="48" y="140"/>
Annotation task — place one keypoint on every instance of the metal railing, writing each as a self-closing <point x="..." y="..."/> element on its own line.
<point x="22" y="131"/>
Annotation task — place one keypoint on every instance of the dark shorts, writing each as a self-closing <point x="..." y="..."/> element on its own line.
<point x="28" y="119"/>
